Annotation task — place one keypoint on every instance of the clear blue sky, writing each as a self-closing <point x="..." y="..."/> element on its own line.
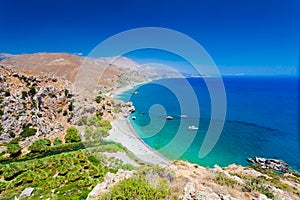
<point x="240" y="35"/>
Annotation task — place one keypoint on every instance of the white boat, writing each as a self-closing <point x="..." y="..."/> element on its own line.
<point x="183" y="116"/>
<point x="169" y="117"/>
<point x="133" y="117"/>
<point x="192" y="128"/>
<point x="135" y="92"/>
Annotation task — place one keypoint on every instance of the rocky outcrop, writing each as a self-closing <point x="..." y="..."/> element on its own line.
<point x="26" y="193"/>
<point x="265" y="163"/>
<point x="31" y="99"/>
<point x="232" y="182"/>
<point x="109" y="181"/>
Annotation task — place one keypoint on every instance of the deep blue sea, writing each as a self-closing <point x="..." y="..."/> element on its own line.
<point x="262" y="119"/>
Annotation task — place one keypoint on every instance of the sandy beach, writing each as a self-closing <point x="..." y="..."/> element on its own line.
<point x="123" y="132"/>
<point x="125" y="88"/>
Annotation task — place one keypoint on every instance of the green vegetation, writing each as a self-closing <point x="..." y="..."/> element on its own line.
<point x="40" y="145"/>
<point x="72" y="135"/>
<point x="57" y="141"/>
<point x="98" y="99"/>
<point x="96" y="128"/>
<point x="66" y="92"/>
<point x="258" y="185"/>
<point x="156" y="186"/>
<point x="11" y="134"/>
<point x="70" y="175"/>
<point x="32" y="91"/>
<point x="222" y="179"/>
<point x="65" y="113"/>
<point x="7" y="93"/>
<point x="24" y="95"/>
<point x="27" y="131"/>
<point x="13" y="149"/>
<point x="70" y="106"/>
<point x="1" y="129"/>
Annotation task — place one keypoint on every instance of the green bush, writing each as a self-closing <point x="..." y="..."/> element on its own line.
<point x="105" y="124"/>
<point x="15" y="141"/>
<point x="24" y="95"/>
<point x="27" y="131"/>
<point x="137" y="188"/>
<point x="11" y="134"/>
<point x="98" y="99"/>
<point x="65" y="112"/>
<point x="66" y="92"/>
<point x="13" y="149"/>
<point x="57" y="141"/>
<point x="7" y="93"/>
<point x="40" y="145"/>
<point x="72" y="135"/>
<point x="70" y="107"/>
<point x="1" y="112"/>
<point x="32" y="91"/>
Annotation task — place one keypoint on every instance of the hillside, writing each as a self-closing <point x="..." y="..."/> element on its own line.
<point x="106" y="73"/>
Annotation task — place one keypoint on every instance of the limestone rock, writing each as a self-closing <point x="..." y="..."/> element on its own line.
<point x="26" y="193"/>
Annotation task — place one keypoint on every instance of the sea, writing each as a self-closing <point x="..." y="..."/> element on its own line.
<point x="262" y="119"/>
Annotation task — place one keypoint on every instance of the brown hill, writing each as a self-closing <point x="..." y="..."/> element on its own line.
<point x="104" y="74"/>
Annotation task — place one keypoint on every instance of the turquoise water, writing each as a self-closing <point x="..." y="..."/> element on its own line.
<point x="262" y="119"/>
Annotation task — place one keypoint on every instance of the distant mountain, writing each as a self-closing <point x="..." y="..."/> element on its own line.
<point x="106" y="73"/>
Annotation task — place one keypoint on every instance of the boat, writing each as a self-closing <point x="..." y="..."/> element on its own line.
<point x="169" y="117"/>
<point x="135" y="92"/>
<point x="133" y="117"/>
<point x="192" y="128"/>
<point x="183" y="116"/>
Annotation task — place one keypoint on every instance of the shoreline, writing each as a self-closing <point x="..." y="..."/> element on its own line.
<point x="123" y="132"/>
<point x="120" y="90"/>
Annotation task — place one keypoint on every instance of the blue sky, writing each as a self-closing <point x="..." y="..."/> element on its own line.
<point x="251" y="36"/>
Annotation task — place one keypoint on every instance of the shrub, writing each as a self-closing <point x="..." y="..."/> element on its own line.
<point x="33" y="103"/>
<point x="7" y="93"/>
<point x="70" y="107"/>
<point x="12" y="134"/>
<point x="40" y="145"/>
<point x="24" y="95"/>
<point x="138" y="188"/>
<point x="98" y="99"/>
<point x="1" y="112"/>
<point x="32" y="91"/>
<point x="105" y="124"/>
<point x="27" y="132"/>
<point x="14" y="150"/>
<point x="57" y="141"/>
<point x="65" y="112"/>
<point x="72" y="135"/>
<point x="66" y="92"/>
<point x="15" y="140"/>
